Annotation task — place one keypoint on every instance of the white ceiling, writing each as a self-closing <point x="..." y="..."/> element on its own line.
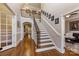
<point x="15" y="6"/>
<point x="60" y="8"/>
<point x="34" y="6"/>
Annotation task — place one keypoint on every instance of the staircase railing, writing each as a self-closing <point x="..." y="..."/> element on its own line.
<point x="37" y="31"/>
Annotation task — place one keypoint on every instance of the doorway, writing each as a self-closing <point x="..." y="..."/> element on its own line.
<point x="72" y="31"/>
<point x="27" y="29"/>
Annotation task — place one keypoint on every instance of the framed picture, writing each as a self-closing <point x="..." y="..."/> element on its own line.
<point x="52" y="18"/>
<point x="49" y="16"/>
<point x="74" y="26"/>
<point x="56" y="20"/>
<point x="41" y="11"/>
<point x="45" y="13"/>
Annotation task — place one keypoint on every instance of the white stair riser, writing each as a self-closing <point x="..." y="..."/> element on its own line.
<point x="43" y="44"/>
<point x="43" y="40"/>
<point x="45" y="37"/>
<point x="44" y="34"/>
<point x="45" y="49"/>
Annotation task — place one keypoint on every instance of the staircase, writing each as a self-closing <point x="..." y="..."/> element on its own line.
<point x="44" y="43"/>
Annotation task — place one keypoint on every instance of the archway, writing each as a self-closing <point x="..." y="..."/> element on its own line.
<point x="27" y="28"/>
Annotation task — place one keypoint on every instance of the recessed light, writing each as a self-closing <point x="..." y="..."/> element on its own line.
<point x="67" y="16"/>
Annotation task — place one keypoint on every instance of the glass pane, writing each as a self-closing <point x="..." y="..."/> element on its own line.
<point x="0" y="18"/>
<point x="3" y="44"/>
<point x="3" y="38"/>
<point x="9" y="43"/>
<point x="9" y="28"/>
<point x="0" y="28"/>
<point x="3" y="33"/>
<point x="3" y="19"/>
<point x="3" y="28"/>
<point x="9" y="33"/>
<point x="9" y="39"/>
<point x="0" y="41"/>
<point x="9" y="19"/>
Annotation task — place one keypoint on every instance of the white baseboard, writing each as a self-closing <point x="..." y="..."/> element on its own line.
<point x="18" y="42"/>
<point x="61" y="51"/>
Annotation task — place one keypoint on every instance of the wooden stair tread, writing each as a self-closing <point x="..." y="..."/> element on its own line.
<point x="45" y="41"/>
<point x="44" y="38"/>
<point x="46" y="46"/>
<point x="44" y="35"/>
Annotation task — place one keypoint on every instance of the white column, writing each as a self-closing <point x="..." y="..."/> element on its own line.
<point x="62" y="34"/>
<point x="14" y="31"/>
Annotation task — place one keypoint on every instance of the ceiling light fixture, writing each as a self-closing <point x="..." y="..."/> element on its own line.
<point x="67" y="16"/>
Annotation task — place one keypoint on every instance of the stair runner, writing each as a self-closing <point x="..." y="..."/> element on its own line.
<point x="45" y="43"/>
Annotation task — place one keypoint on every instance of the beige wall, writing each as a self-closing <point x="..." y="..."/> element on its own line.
<point x="66" y="26"/>
<point x="35" y="6"/>
<point x="67" y="20"/>
<point x="7" y="14"/>
<point x="31" y="6"/>
<point x="4" y="9"/>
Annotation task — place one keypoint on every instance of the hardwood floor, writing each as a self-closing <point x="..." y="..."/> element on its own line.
<point x="24" y="48"/>
<point x="49" y="53"/>
<point x="70" y="53"/>
<point x="27" y="48"/>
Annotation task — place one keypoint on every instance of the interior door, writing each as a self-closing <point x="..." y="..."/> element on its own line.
<point x="5" y="31"/>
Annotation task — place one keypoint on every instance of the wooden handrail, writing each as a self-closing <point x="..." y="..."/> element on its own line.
<point x="37" y="31"/>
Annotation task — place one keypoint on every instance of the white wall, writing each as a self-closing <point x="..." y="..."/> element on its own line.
<point x="55" y="35"/>
<point x="15" y="7"/>
<point x="68" y="20"/>
<point x="58" y="10"/>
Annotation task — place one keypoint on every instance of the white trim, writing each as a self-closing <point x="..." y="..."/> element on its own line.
<point x="61" y="51"/>
<point x="18" y="42"/>
<point x="7" y="47"/>
<point x="71" y="11"/>
<point x="62" y="32"/>
<point x="44" y="36"/>
<point x="14" y="28"/>
<point x="47" y="43"/>
<point x="52" y="28"/>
